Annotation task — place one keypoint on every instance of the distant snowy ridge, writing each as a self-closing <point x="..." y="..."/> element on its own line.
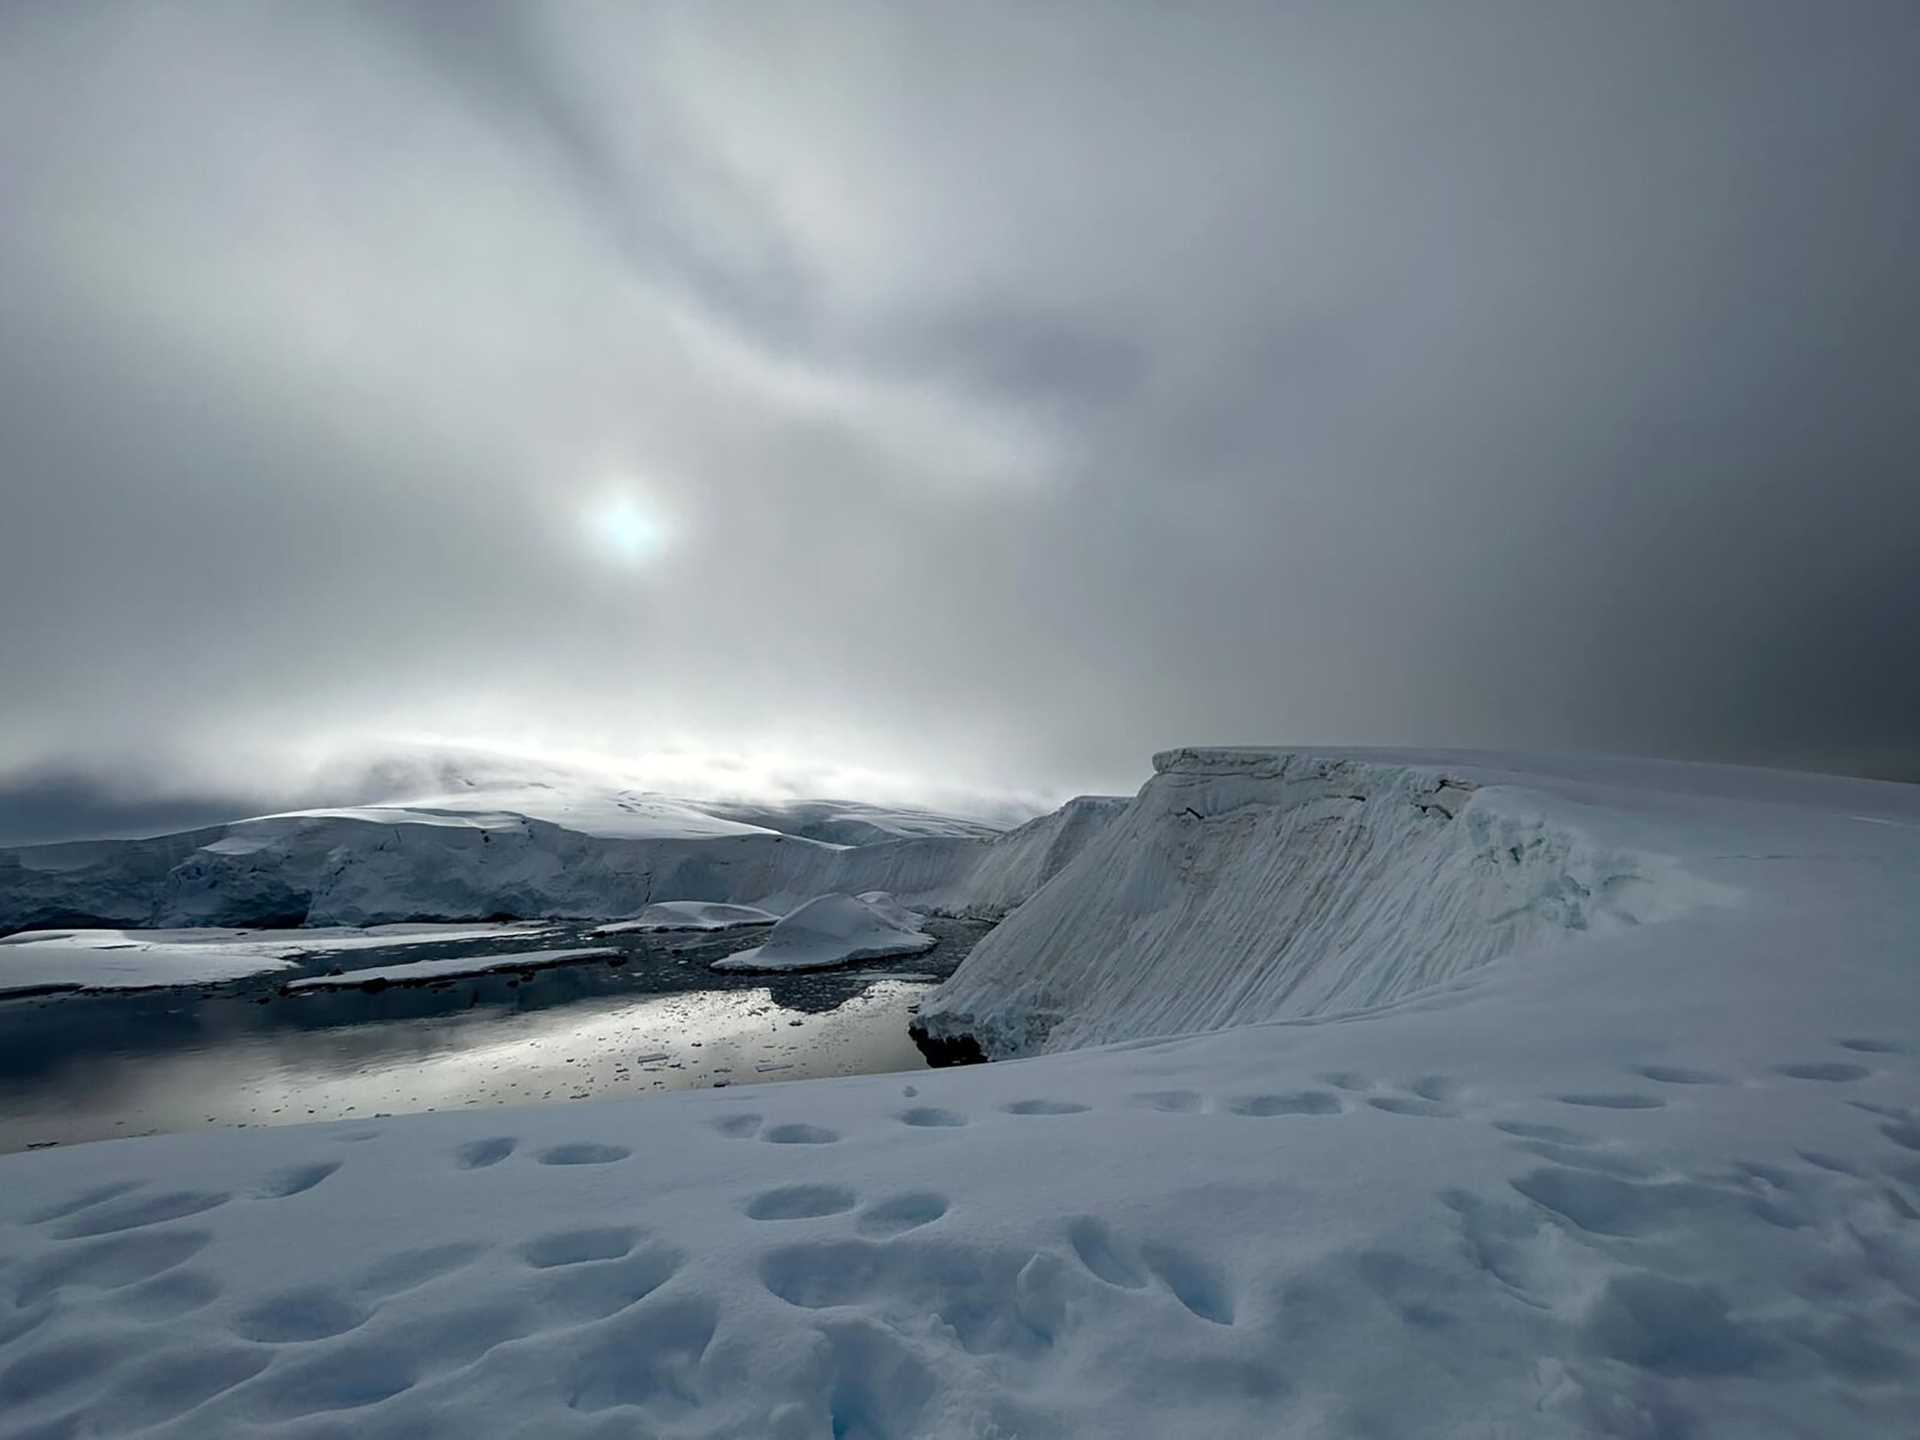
<point x="1249" y="885"/>
<point x="372" y="864"/>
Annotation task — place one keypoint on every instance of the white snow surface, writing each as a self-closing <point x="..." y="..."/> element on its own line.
<point x="690" y="915"/>
<point x="834" y="930"/>
<point x="135" y="959"/>
<point x="447" y="969"/>
<point x="1655" y="1178"/>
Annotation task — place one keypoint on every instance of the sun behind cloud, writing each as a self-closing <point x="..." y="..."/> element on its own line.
<point x="626" y="527"/>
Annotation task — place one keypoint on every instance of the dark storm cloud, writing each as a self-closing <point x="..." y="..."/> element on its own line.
<point x="993" y="394"/>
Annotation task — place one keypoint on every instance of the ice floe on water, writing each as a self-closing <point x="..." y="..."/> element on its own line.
<point x="836" y="930"/>
<point x="134" y="959"/>
<point x="690" y="915"/>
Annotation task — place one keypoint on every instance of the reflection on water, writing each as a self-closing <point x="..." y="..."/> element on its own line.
<point x="95" y="1067"/>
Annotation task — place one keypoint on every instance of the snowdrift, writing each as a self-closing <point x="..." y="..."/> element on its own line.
<point x="835" y="930"/>
<point x="1249" y="885"/>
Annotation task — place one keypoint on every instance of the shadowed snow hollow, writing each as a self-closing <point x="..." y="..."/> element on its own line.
<point x="1249" y="885"/>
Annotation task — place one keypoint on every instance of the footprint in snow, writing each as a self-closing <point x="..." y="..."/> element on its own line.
<point x="1680" y="1075"/>
<point x="1411" y="1105"/>
<point x="738" y="1127"/>
<point x="801" y="1202"/>
<point x="1530" y="1130"/>
<point x="66" y="1364"/>
<point x="1904" y="1133"/>
<point x="109" y="1264"/>
<point x="1105" y="1257"/>
<point x="1046" y="1107"/>
<point x="168" y="1296"/>
<point x="1171" y="1102"/>
<point x="479" y="1154"/>
<point x="578" y="1247"/>
<point x="1612" y="1100"/>
<point x="85" y="1199"/>
<point x="1294" y="1102"/>
<point x="583" y="1152"/>
<point x="932" y="1117"/>
<point x="588" y="1290"/>
<point x="1196" y="1283"/>
<point x="901" y="1214"/>
<point x="294" y="1180"/>
<point x="138" y="1213"/>
<point x="410" y="1269"/>
<point x="1836" y="1071"/>
<point x="294" y="1317"/>
<point x="799" y="1134"/>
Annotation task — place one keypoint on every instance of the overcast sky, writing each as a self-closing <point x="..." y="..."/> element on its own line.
<point x="953" y="398"/>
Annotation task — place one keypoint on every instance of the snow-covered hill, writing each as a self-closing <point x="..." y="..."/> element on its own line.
<point x="491" y="846"/>
<point x="1657" y="1178"/>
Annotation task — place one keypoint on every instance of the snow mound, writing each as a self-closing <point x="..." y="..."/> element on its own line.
<point x="1251" y="885"/>
<point x="690" y="915"/>
<point x="834" y="930"/>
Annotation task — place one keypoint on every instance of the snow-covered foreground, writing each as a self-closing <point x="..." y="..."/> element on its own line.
<point x="1657" y="1177"/>
<point x="834" y="930"/>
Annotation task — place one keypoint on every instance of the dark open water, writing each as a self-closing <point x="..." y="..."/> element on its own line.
<point x="90" y="1067"/>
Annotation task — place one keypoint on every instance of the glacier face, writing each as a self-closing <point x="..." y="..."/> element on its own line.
<point x="1249" y="885"/>
<point x="372" y="865"/>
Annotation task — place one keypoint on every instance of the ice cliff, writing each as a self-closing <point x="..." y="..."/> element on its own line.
<point x="371" y="865"/>
<point x="1248" y="885"/>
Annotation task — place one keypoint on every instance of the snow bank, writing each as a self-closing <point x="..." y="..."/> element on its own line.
<point x="1633" y="1181"/>
<point x="139" y="959"/>
<point x="417" y="972"/>
<point x="1249" y="885"/>
<point x="690" y="915"/>
<point x="835" y="930"/>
